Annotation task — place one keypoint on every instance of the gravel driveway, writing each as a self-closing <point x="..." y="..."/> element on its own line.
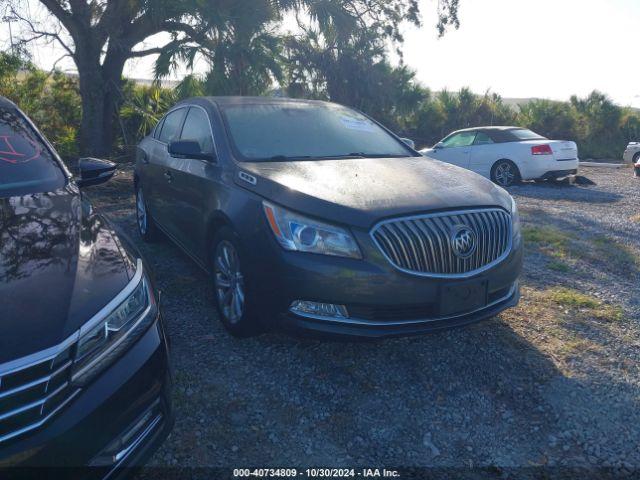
<point x="553" y="382"/>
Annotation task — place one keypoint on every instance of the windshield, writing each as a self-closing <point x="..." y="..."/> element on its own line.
<point x="524" y="134"/>
<point x="26" y="165"/>
<point x="298" y="131"/>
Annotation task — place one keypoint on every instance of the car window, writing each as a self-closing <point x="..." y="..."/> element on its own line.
<point x="482" y="139"/>
<point x="525" y="134"/>
<point x="298" y="131"/>
<point x="462" y="139"/>
<point x="158" y="129"/>
<point x="26" y="164"/>
<point x="171" y="126"/>
<point x="197" y="127"/>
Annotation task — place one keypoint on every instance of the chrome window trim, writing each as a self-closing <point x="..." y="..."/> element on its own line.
<point x="447" y="213"/>
<point x="188" y="106"/>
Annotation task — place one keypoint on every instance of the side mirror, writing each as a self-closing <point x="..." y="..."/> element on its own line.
<point x="188" y="149"/>
<point x="94" y="171"/>
<point x="438" y="146"/>
<point x="409" y="142"/>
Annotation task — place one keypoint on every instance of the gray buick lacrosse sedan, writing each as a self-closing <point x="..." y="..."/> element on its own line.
<point x="311" y="215"/>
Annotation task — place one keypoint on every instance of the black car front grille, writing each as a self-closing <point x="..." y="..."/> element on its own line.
<point x="423" y="244"/>
<point x="34" y="389"/>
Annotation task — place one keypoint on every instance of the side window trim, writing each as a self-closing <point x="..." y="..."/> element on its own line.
<point x="206" y="114"/>
<point x="478" y="133"/>
<point x="474" y="132"/>
<point x="158" y="128"/>
<point x="184" y="116"/>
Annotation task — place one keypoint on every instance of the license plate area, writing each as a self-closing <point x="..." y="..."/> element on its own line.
<point x="461" y="297"/>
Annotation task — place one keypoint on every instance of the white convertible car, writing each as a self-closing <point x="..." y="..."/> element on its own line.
<point x="507" y="155"/>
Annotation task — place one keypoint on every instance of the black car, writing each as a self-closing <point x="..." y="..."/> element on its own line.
<point x="311" y="215"/>
<point x="84" y="373"/>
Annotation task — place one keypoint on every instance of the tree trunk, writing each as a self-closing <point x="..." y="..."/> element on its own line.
<point x="93" y="141"/>
<point x="100" y="91"/>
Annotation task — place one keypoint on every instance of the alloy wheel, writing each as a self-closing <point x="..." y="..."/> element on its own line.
<point x="141" y="212"/>
<point x="505" y="174"/>
<point x="229" y="282"/>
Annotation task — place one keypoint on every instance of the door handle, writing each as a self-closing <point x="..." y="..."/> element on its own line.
<point x="168" y="176"/>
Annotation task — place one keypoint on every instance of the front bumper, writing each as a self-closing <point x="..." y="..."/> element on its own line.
<point x="357" y="327"/>
<point x="130" y="401"/>
<point x="380" y="299"/>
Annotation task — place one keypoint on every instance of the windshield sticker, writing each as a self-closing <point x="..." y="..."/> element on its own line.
<point x="9" y="153"/>
<point x="357" y="124"/>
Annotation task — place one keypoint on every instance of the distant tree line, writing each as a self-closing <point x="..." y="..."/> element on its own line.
<point x="304" y="68"/>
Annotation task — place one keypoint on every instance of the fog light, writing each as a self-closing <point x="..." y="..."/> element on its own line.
<point x="315" y="309"/>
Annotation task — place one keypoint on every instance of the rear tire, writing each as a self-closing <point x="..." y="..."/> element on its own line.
<point x="505" y="173"/>
<point x="146" y="225"/>
<point x="232" y="285"/>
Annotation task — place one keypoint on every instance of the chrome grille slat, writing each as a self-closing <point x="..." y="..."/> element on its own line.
<point x="31" y="393"/>
<point x="421" y="244"/>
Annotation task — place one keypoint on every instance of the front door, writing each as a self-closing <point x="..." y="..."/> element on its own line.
<point x="195" y="184"/>
<point x="455" y="149"/>
<point x="157" y="186"/>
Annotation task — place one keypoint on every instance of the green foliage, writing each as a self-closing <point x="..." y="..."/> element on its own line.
<point x="51" y="100"/>
<point x="142" y="108"/>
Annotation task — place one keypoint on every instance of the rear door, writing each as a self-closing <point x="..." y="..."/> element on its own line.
<point x="455" y="149"/>
<point x="157" y="187"/>
<point x="195" y="184"/>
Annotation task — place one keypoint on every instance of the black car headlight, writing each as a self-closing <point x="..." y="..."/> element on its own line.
<point x="299" y="233"/>
<point x="115" y="328"/>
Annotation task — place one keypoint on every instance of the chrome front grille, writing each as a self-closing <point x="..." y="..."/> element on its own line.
<point x="424" y="244"/>
<point x="34" y="389"/>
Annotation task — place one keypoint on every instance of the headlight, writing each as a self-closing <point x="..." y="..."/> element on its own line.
<point x="298" y="233"/>
<point x="114" y="328"/>
<point x="515" y="219"/>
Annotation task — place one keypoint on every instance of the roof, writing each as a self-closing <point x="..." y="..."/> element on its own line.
<point x="6" y="103"/>
<point x="497" y="128"/>
<point x="238" y="100"/>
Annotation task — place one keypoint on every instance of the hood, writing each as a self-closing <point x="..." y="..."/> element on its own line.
<point x="360" y="192"/>
<point x="60" y="263"/>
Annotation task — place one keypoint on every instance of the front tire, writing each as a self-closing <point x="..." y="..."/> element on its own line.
<point x="232" y="287"/>
<point x="505" y="173"/>
<point x="146" y="225"/>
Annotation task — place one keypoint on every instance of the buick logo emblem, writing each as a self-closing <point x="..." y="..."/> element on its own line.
<point x="463" y="241"/>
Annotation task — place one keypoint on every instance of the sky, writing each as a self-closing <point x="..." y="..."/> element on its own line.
<point x="516" y="48"/>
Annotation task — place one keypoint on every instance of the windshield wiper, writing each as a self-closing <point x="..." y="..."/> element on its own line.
<point x="289" y="158"/>
<point x="284" y="158"/>
<point x="375" y="155"/>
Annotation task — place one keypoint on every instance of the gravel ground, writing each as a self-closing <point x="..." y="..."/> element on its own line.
<point x="553" y="382"/>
